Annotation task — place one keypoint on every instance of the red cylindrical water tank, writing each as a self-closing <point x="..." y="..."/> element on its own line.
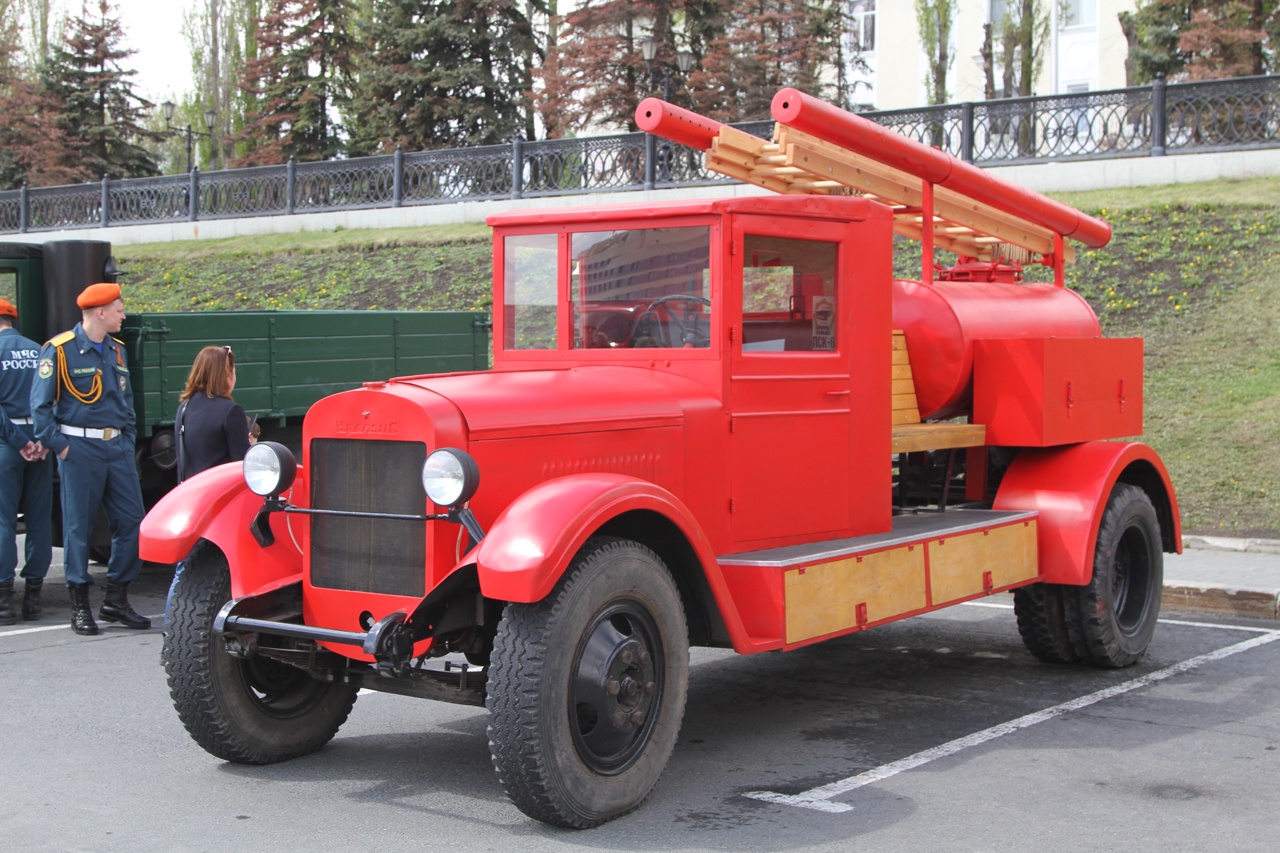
<point x="943" y="319"/>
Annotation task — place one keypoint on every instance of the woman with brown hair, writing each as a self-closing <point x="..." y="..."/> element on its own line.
<point x="211" y="427"/>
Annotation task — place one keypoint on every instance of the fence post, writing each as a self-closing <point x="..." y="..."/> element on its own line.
<point x="650" y="156"/>
<point x="1159" y="117"/>
<point x="517" y="167"/>
<point x="24" y="217"/>
<point x="966" y="131"/>
<point x="290" y="183"/>
<point x="397" y="177"/>
<point x="104" y="214"/>
<point x="193" y="193"/>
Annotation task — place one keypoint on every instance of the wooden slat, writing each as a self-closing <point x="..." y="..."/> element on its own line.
<point x="903" y="386"/>
<point x="800" y="163"/>
<point x="911" y="438"/>
<point x="831" y="162"/>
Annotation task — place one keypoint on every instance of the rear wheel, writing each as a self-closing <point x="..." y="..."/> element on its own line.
<point x="587" y="687"/>
<point x="1116" y="613"/>
<point x="251" y="711"/>
<point x="1042" y="622"/>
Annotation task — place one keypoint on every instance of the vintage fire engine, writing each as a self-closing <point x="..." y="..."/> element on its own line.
<point x="709" y="422"/>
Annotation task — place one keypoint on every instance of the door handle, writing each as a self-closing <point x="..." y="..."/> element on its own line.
<point x="844" y="393"/>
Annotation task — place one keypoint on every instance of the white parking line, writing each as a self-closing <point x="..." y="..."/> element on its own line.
<point x="819" y="799"/>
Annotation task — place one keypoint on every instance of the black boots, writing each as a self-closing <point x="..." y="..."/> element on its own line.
<point x="81" y="614"/>
<point x="115" y="608"/>
<point x="7" y="616"/>
<point x="31" y="598"/>
<point x="30" y="601"/>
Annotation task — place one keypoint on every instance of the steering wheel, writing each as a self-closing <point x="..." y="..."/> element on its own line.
<point x="690" y="333"/>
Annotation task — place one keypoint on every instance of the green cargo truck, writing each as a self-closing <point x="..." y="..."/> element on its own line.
<point x="285" y="360"/>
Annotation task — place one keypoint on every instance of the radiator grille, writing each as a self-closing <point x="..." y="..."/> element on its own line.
<point x="368" y="554"/>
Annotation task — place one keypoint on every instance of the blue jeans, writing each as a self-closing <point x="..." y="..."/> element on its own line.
<point x="100" y="473"/>
<point x="29" y="486"/>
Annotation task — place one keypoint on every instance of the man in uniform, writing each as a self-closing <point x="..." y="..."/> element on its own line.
<point x="26" y="474"/>
<point x="82" y="403"/>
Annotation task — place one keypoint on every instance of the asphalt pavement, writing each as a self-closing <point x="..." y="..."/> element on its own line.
<point x="1230" y="577"/>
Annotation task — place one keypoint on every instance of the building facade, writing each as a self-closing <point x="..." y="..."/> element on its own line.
<point x="1086" y="50"/>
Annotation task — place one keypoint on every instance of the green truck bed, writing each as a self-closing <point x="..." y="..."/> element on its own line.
<point x="287" y="360"/>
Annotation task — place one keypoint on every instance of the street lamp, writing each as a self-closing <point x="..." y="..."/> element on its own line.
<point x="684" y="62"/>
<point x="210" y="118"/>
<point x="649" y="52"/>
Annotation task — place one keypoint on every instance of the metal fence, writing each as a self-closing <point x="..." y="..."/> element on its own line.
<point x="1147" y="121"/>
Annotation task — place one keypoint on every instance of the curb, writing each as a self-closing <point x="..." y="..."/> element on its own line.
<point x="1224" y="543"/>
<point x="1222" y="601"/>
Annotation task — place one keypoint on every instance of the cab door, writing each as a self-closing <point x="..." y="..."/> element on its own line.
<point x="796" y="404"/>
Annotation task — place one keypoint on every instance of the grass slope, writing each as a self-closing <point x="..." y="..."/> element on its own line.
<point x="1194" y="269"/>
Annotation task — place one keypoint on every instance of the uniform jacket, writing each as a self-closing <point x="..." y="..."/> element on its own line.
<point x="18" y="357"/>
<point x="51" y="406"/>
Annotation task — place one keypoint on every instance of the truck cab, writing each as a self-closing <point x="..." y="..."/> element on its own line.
<point x="708" y="422"/>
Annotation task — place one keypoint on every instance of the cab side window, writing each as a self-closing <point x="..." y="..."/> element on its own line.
<point x="788" y="295"/>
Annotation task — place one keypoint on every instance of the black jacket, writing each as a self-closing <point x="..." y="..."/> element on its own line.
<point x="213" y="431"/>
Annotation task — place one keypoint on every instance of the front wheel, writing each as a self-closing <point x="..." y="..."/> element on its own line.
<point x="587" y="687"/>
<point x="254" y="711"/>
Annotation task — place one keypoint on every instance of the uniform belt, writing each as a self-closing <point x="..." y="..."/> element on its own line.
<point x="19" y="420"/>
<point x="106" y="433"/>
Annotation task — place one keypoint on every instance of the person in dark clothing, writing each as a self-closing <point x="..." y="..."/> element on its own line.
<point x="212" y="428"/>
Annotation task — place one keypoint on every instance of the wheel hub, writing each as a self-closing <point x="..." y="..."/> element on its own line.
<point x="615" y="689"/>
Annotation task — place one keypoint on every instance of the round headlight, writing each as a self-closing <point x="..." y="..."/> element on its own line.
<point x="450" y="477"/>
<point x="269" y="468"/>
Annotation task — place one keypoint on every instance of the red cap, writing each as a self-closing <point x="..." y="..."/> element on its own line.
<point x="97" y="295"/>
<point x="7" y="309"/>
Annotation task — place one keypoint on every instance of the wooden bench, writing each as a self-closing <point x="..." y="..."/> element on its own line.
<point x="910" y="435"/>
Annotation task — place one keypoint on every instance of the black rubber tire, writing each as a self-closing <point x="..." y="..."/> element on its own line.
<point x="1115" y="615"/>
<point x="1042" y="622"/>
<point x="564" y="667"/>
<point x="255" y="711"/>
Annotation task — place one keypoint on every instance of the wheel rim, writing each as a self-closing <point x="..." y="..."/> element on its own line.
<point x="617" y="687"/>
<point x="277" y="689"/>
<point x="1131" y="579"/>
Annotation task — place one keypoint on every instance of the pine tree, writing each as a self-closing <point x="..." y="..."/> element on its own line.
<point x="297" y="77"/>
<point x="440" y="74"/>
<point x="102" y="115"/>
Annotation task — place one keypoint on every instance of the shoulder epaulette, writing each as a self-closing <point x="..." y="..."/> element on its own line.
<point x="117" y="340"/>
<point x="59" y="340"/>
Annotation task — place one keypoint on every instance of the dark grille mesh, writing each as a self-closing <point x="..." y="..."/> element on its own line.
<point x="368" y="554"/>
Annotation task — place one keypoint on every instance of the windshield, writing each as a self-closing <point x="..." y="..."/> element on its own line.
<point x="628" y="288"/>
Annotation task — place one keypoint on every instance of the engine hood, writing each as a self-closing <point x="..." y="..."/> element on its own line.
<point x="548" y="402"/>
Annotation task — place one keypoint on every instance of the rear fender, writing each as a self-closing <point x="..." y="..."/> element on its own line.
<point x="532" y="541"/>
<point x="1069" y="487"/>
<point x="216" y="505"/>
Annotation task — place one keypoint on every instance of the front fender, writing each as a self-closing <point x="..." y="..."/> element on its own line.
<point x="1069" y="487"/>
<point x="217" y="505"/>
<point x="531" y="543"/>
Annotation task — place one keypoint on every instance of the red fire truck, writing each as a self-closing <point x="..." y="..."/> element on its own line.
<point x="709" y="422"/>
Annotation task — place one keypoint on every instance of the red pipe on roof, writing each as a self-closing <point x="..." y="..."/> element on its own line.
<point x="825" y="121"/>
